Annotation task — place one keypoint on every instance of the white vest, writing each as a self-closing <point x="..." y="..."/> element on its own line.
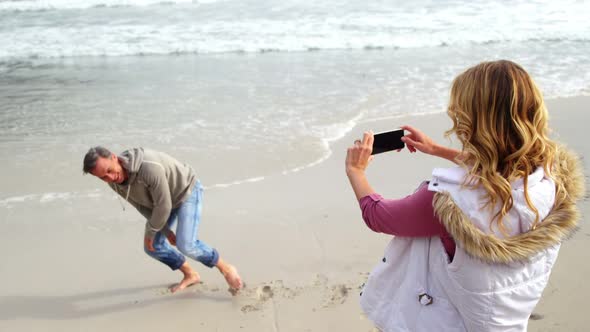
<point x="468" y="294"/>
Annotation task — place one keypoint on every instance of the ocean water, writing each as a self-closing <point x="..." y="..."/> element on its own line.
<point x="244" y="90"/>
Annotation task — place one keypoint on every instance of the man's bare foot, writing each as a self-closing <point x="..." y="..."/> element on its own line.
<point x="232" y="278"/>
<point x="188" y="280"/>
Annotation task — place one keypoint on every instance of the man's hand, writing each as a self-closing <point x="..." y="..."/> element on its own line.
<point x="149" y="243"/>
<point x="171" y="237"/>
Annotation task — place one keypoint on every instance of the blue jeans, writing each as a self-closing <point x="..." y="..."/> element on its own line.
<point x="188" y="216"/>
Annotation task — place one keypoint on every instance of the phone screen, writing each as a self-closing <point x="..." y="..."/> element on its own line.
<point x="388" y="141"/>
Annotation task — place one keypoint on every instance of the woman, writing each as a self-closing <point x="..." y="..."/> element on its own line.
<point x="475" y="245"/>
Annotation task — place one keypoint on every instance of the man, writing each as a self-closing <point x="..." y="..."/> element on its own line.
<point x="165" y="191"/>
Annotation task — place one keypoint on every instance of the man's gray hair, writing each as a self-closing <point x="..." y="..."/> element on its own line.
<point x="92" y="156"/>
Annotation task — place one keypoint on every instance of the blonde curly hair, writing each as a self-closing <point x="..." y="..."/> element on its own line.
<point x="500" y="118"/>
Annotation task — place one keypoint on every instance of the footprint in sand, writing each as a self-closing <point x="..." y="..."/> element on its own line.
<point x="333" y="295"/>
<point x="320" y="280"/>
<point x="249" y="308"/>
<point x="264" y="293"/>
<point x="338" y="295"/>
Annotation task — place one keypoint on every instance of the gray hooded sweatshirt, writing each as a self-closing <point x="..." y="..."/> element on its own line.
<point x="156" y="184"/>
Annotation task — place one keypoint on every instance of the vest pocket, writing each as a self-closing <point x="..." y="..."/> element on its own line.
<point x="457" y="261"/>
<point x="441" y="315"/>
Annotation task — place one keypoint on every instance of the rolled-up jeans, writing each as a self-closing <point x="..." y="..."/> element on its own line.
<point x="186" y="217"/>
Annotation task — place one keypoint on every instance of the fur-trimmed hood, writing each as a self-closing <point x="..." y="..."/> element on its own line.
<point x="559" y="223"/>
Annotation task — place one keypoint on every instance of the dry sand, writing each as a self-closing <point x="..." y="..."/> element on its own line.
<point x="297" y="239"/>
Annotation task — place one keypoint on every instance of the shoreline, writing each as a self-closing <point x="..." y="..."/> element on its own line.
<point x="331" y="143"/>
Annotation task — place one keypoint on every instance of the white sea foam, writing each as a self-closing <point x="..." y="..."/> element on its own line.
<point x="49" y="197"/>
<point x="331" y="133"/>
<point x="17" y="199"/>
<point x="30" y="5"/>
<point x="297" y="26"/>
<point x="389" y="118"/>
<point x="234" y="183"/>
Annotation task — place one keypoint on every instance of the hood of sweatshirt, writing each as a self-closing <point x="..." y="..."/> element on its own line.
<point x="555" y="200"/>
<point x="131" y="160"/>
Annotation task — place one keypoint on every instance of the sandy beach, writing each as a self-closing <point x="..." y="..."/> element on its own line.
<point x="261" y="98"/>
<point x="297" y="239"/>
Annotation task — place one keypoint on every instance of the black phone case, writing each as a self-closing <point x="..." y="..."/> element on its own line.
<point x="388" y="141"/>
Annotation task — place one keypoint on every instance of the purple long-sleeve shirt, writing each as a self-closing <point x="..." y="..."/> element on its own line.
<point x="412" y="216"/>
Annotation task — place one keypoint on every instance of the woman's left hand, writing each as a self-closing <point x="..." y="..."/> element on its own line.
<point x="359" y="156"/>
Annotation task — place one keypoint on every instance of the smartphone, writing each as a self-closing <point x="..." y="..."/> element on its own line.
<point x="388" y="141"/>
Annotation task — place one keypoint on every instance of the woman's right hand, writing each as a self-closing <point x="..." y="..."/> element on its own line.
<point x="359" y="155"/>
<point x="418" y="141"/>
